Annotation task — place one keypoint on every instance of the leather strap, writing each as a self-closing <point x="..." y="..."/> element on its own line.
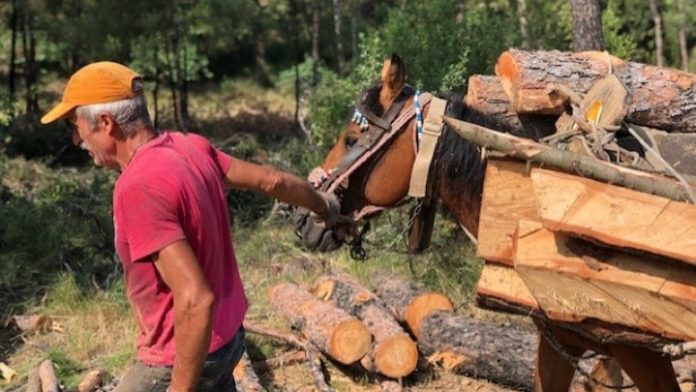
<point x="432" y="129"/>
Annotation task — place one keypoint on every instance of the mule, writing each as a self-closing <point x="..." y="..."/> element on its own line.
<point x="457" y="173"/>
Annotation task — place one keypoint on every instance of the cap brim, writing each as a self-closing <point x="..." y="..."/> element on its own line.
<point x="60" y="111"/>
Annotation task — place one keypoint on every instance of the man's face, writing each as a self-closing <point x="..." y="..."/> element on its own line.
<point x="96" y="141"/>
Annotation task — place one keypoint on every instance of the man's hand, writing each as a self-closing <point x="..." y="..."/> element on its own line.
<point x="332" y="212"/>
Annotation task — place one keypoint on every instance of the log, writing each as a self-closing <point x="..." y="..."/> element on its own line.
<point x="508" y="196"/>
<point x="49" y="379"/>
<point x="485" y="96"/>
<point x="571" y="162"/>
<point x="659" y="97"/>
<point x="285" y="359"/>
<point x="393" y="353"/>
<point x="678" y="149"/>
<point x="7" y="373"/>
<point x="504" y="355"/>
<point x="245" y="378"/>
<point x="573" y="280"/>
<point x="33" y="381"/>
<point x="333" y="331"/>
<point x="411" y="303"/>
<point x="91" y="381"/>
<point x="616" y="216"/>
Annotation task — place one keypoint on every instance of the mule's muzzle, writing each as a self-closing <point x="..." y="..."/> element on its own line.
<point x="315" y="235"/>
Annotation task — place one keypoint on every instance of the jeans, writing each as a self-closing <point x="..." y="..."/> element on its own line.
<point x="215" y="377"/>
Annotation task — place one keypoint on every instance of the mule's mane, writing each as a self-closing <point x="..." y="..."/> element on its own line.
<point x="370" y="100"/>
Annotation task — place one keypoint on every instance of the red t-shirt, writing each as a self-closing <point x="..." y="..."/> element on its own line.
<point x="173" y="189"/>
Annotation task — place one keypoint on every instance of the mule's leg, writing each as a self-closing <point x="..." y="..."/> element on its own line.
<point x="650" y="371"/>
<point x="553" y="373"/>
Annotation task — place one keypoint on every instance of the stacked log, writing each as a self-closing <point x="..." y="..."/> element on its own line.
<point x="244" y="376"/>
<point x="339" y="335"/>
<point x="659" y="97"/>
<point x="393" y="353"/>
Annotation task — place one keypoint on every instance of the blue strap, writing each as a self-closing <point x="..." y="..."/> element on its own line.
<point x="419" y="117"/>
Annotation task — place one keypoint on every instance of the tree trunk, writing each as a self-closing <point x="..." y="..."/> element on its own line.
<point x="658" y="97"/>
<point x="393" y="353"/>
<point x="683" y="48"/>
<point x="502" y="354"/>
<point x="522" y="18"/>
<point x="333" y="331"/>
<point x="30" y="67"/>
<point x="587" y="25"/>
<point x="155" y="90"/>
<point x="12" y="74"/>
<point x="409" y="302"/>
<point x="354" y="15"/>
<point x="316" y="31"/>
<point x="245" y="378"/>
<point x="337" y="31"/>
<point x="486" y="97"/>
<point x="657" y="20"/>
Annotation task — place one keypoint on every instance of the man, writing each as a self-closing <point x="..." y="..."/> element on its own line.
<point x="172" y="230"/>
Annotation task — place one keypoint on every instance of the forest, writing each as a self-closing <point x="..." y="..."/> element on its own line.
<point x="270" y="81"/>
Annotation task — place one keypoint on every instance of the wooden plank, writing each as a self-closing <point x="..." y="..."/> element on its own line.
<point x="508" y="196"/>
<point x="572" y="277"/>
<point x="502" y="283"/>
<point x="617" y="216"/>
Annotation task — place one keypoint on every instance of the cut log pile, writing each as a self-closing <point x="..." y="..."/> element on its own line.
<point x="571" y="237"/>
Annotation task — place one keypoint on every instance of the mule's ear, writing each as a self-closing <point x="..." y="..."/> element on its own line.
<point x="394" y="73"/>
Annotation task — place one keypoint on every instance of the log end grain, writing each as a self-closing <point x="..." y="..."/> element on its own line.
<point x="423" y="305"/>
<point x="396" y="357"/>
<point x="349" y="341"/>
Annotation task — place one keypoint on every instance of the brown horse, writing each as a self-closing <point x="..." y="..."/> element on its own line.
<point x="457" y="171"/>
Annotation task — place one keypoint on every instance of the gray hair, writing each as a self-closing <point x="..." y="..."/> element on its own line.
<point x="130" y="114"/>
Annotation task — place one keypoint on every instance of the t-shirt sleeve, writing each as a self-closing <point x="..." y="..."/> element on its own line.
<point x="149" y="218"/>
<point x="223" y="160"/>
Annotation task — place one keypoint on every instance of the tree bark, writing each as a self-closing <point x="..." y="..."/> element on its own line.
<point x="570" y="162"/>
<point x="339" y="41"/>
<point x="30" y="66"/>
<point x="91" y="381"/>
<point x="486" y="97"/>
<point x="658" y="97"/>
<point x="393" y="353"/>
<point x="522" y="18"/>
<point x="480" y="349"/>
<point x="245" y="378"/>
<point x="657" y="21"/>
<point x="409" y="302"/>
<point x="33" y="381"/>
<point x="316" y="31"/>
<point x="587" y="25"/>
<point x="334" y="332"/>
<point x="12" y="74"/>
<point x="683" y="48"/>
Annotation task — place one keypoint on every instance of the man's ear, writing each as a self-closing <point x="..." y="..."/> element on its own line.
<point x="106" y="122"/>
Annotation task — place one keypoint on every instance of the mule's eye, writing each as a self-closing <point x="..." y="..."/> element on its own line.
<point x="350" y="141"/>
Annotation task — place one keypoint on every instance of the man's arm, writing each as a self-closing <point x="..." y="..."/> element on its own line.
<point x="193" y="312"/>
<point x="283" y="186"/>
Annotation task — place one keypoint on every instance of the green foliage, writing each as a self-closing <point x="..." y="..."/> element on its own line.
<point x="550" y="24"/>
<point x="617" y="42"/>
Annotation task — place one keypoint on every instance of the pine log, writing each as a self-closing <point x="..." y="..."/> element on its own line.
<point x="486" y="97"/>
<point x="333" y="331"/>
<point x="508" y="196"/>
<point x="49" y="379"/>
<point x="658" y="97"/>
<point x="678" y="149"/>
<point x="245" y="378"/>
<point x="572" y="277"/>
<point x="91" y="381"/>
<point x="411" y="303"/>
<point x="33" y="381"/>
<point x="285" y="359"/>
<point x="616" y="216"/>
<point x="570" y="162"/>
<point x="393" y="353"/>
<point x="504" y="355"/>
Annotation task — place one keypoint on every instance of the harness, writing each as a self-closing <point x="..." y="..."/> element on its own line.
<point x="376" y="134"/>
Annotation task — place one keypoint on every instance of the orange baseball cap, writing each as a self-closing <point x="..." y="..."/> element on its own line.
<point x="100" y="82"/>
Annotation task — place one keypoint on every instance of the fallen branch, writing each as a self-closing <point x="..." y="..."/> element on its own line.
<point x="49" y="379"/>
<point x="284" y="359"/>
<point x="570" y="162"/>
<point x="314" y="365"/>
<point x="245" y="378"/>
<point x="274" y="333"/>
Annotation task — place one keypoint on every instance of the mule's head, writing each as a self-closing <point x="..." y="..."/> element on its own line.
<point x="380" y="177"/>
